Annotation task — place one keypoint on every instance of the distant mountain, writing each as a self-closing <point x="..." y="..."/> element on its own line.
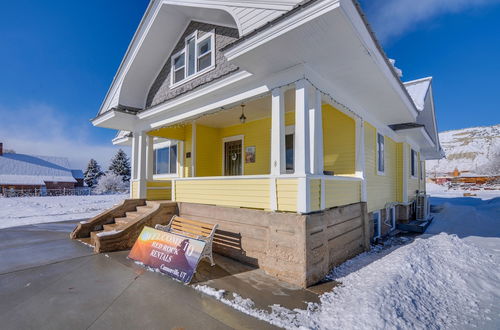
<point x="474" y="150"/>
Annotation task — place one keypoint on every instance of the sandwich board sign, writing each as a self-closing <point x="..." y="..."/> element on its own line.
<point x="171" y="254"/>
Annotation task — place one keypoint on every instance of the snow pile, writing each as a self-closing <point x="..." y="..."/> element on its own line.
<point x="20" y="211"/>
<point x="438" y="190"/>
<point x="438" y="280"/>
<point x="476" y="150"/>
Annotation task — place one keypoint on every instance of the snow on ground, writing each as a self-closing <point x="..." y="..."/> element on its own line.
<point x="446" y="279"/>
<point x="20" y="211"/>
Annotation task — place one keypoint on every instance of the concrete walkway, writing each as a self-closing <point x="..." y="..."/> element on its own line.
<point x="48" y="281"/>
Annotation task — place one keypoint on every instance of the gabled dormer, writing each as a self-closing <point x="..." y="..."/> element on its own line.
<point x="195" y="60"/>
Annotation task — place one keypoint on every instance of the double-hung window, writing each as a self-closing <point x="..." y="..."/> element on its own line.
<point x="165" y="160"/>
<point x="413" y="163"/>
<point x="195" y="58"/>
<point x="380" y="153"/>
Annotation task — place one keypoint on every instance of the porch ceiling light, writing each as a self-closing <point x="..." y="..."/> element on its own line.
<point x="243" y="119"/>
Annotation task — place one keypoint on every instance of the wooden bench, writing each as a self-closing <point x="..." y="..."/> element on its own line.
<point x="193" y="229"/>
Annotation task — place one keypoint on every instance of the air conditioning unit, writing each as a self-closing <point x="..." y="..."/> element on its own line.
<point x="422" y="207"/>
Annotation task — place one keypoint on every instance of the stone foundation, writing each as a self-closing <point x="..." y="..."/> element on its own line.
<point x="296" y="248"/>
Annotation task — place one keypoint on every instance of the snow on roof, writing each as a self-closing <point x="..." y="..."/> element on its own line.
<point x="34" y="170"/>
<point x="77" y="174"/>
<point x="418" y="91"/>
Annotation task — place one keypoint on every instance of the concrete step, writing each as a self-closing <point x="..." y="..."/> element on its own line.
<point x="124" y="220"/>
<point x="144" y="209"/>
<point x="415" y="226"/>
<point x="93" y="236"/>
<point x="113" y="226"/>
<point x="133" y="214"/>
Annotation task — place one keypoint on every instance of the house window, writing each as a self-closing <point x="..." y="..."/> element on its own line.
<point x="380" y="153"/>
<point x="196" y="57"/>
<point x="289" y="152"/>
<point x="165" y="160"/>
<point x="421" y="170"/>
<point x="413" y="163"/>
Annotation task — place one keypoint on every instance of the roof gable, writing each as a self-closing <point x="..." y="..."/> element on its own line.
<point x="418" y="90"/>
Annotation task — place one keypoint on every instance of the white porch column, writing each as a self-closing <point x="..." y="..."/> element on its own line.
<point x="135" y="162"/>
<point x="149" y="157"/>
<point x="278" y="160"/>
<point x="141" y="164"/>
<point x="302" y="145"/>
<point x="360" y="157"/>
<point x="193" y="149"/>
<point x="316" y="132"/>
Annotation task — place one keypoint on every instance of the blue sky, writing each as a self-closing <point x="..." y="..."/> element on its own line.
<point x="59" y="57"/>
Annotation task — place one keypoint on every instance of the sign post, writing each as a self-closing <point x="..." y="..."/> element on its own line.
<point x="172" y="254"/>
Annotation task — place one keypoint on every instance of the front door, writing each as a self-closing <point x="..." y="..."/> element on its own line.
<point x="233" y="157"/>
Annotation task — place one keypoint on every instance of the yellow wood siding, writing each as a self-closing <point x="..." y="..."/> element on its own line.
<point x="339" y="193"/>
<point x="286" y="193"/>
<point x="257" y="134"/>
<point x="174" y="132"/>
<point x="250" y="193"/>
<point x="315" y="194"/>
<point x="208" y="151"/>
<point x="381" y="189"/>
<point x="339" y="141"/>
<point x="158" y="194"/>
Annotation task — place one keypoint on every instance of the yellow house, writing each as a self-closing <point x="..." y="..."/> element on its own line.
<point x="282" y="121"/>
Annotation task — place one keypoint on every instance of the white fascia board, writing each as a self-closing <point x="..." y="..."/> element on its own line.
<point x="353" y="16"/>
<point x="125" y="141"/>
<point x="178" y="101"/>
<point x="116" y="120"/>
<point x="301" y="17"/>
<point x="176" y="111"/>
<point x="282" y="5"/>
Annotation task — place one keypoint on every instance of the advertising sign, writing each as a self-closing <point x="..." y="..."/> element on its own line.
<point x="172" y="254"/>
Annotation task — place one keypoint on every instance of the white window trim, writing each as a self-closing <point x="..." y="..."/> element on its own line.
<point x="230" y="139"/>
<point x="381" y="173"/>
<point x="415" y="166"/>
<point x="167" y="144"/>
<point x="197" y="73"/>
<point x="379" y="226"/>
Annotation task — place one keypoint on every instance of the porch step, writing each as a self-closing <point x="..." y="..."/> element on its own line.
<point x="133" y="214"/>
<point x="113" y="226"/>
<point x="415" y="226"/>
<point x="124" y="220"/>
<point x="93" y="236"/>
<point x="144" y="209"/>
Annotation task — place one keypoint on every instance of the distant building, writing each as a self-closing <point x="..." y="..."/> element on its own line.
<point x="41" y="173"/>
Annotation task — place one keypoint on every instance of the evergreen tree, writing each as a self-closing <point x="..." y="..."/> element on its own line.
<point x="120" y="165"/>
<point x="92" y="173"/>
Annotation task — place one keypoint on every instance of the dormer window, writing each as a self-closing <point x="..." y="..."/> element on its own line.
<point x="195" y="58"/>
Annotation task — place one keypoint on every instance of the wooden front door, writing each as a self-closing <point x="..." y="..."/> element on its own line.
<point x="233" y="158"/>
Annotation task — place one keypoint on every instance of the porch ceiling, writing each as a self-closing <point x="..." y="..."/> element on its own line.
<point x="256" y="109"/>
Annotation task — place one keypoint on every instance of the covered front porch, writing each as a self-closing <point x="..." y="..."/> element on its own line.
<point x="291" y="150"/>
